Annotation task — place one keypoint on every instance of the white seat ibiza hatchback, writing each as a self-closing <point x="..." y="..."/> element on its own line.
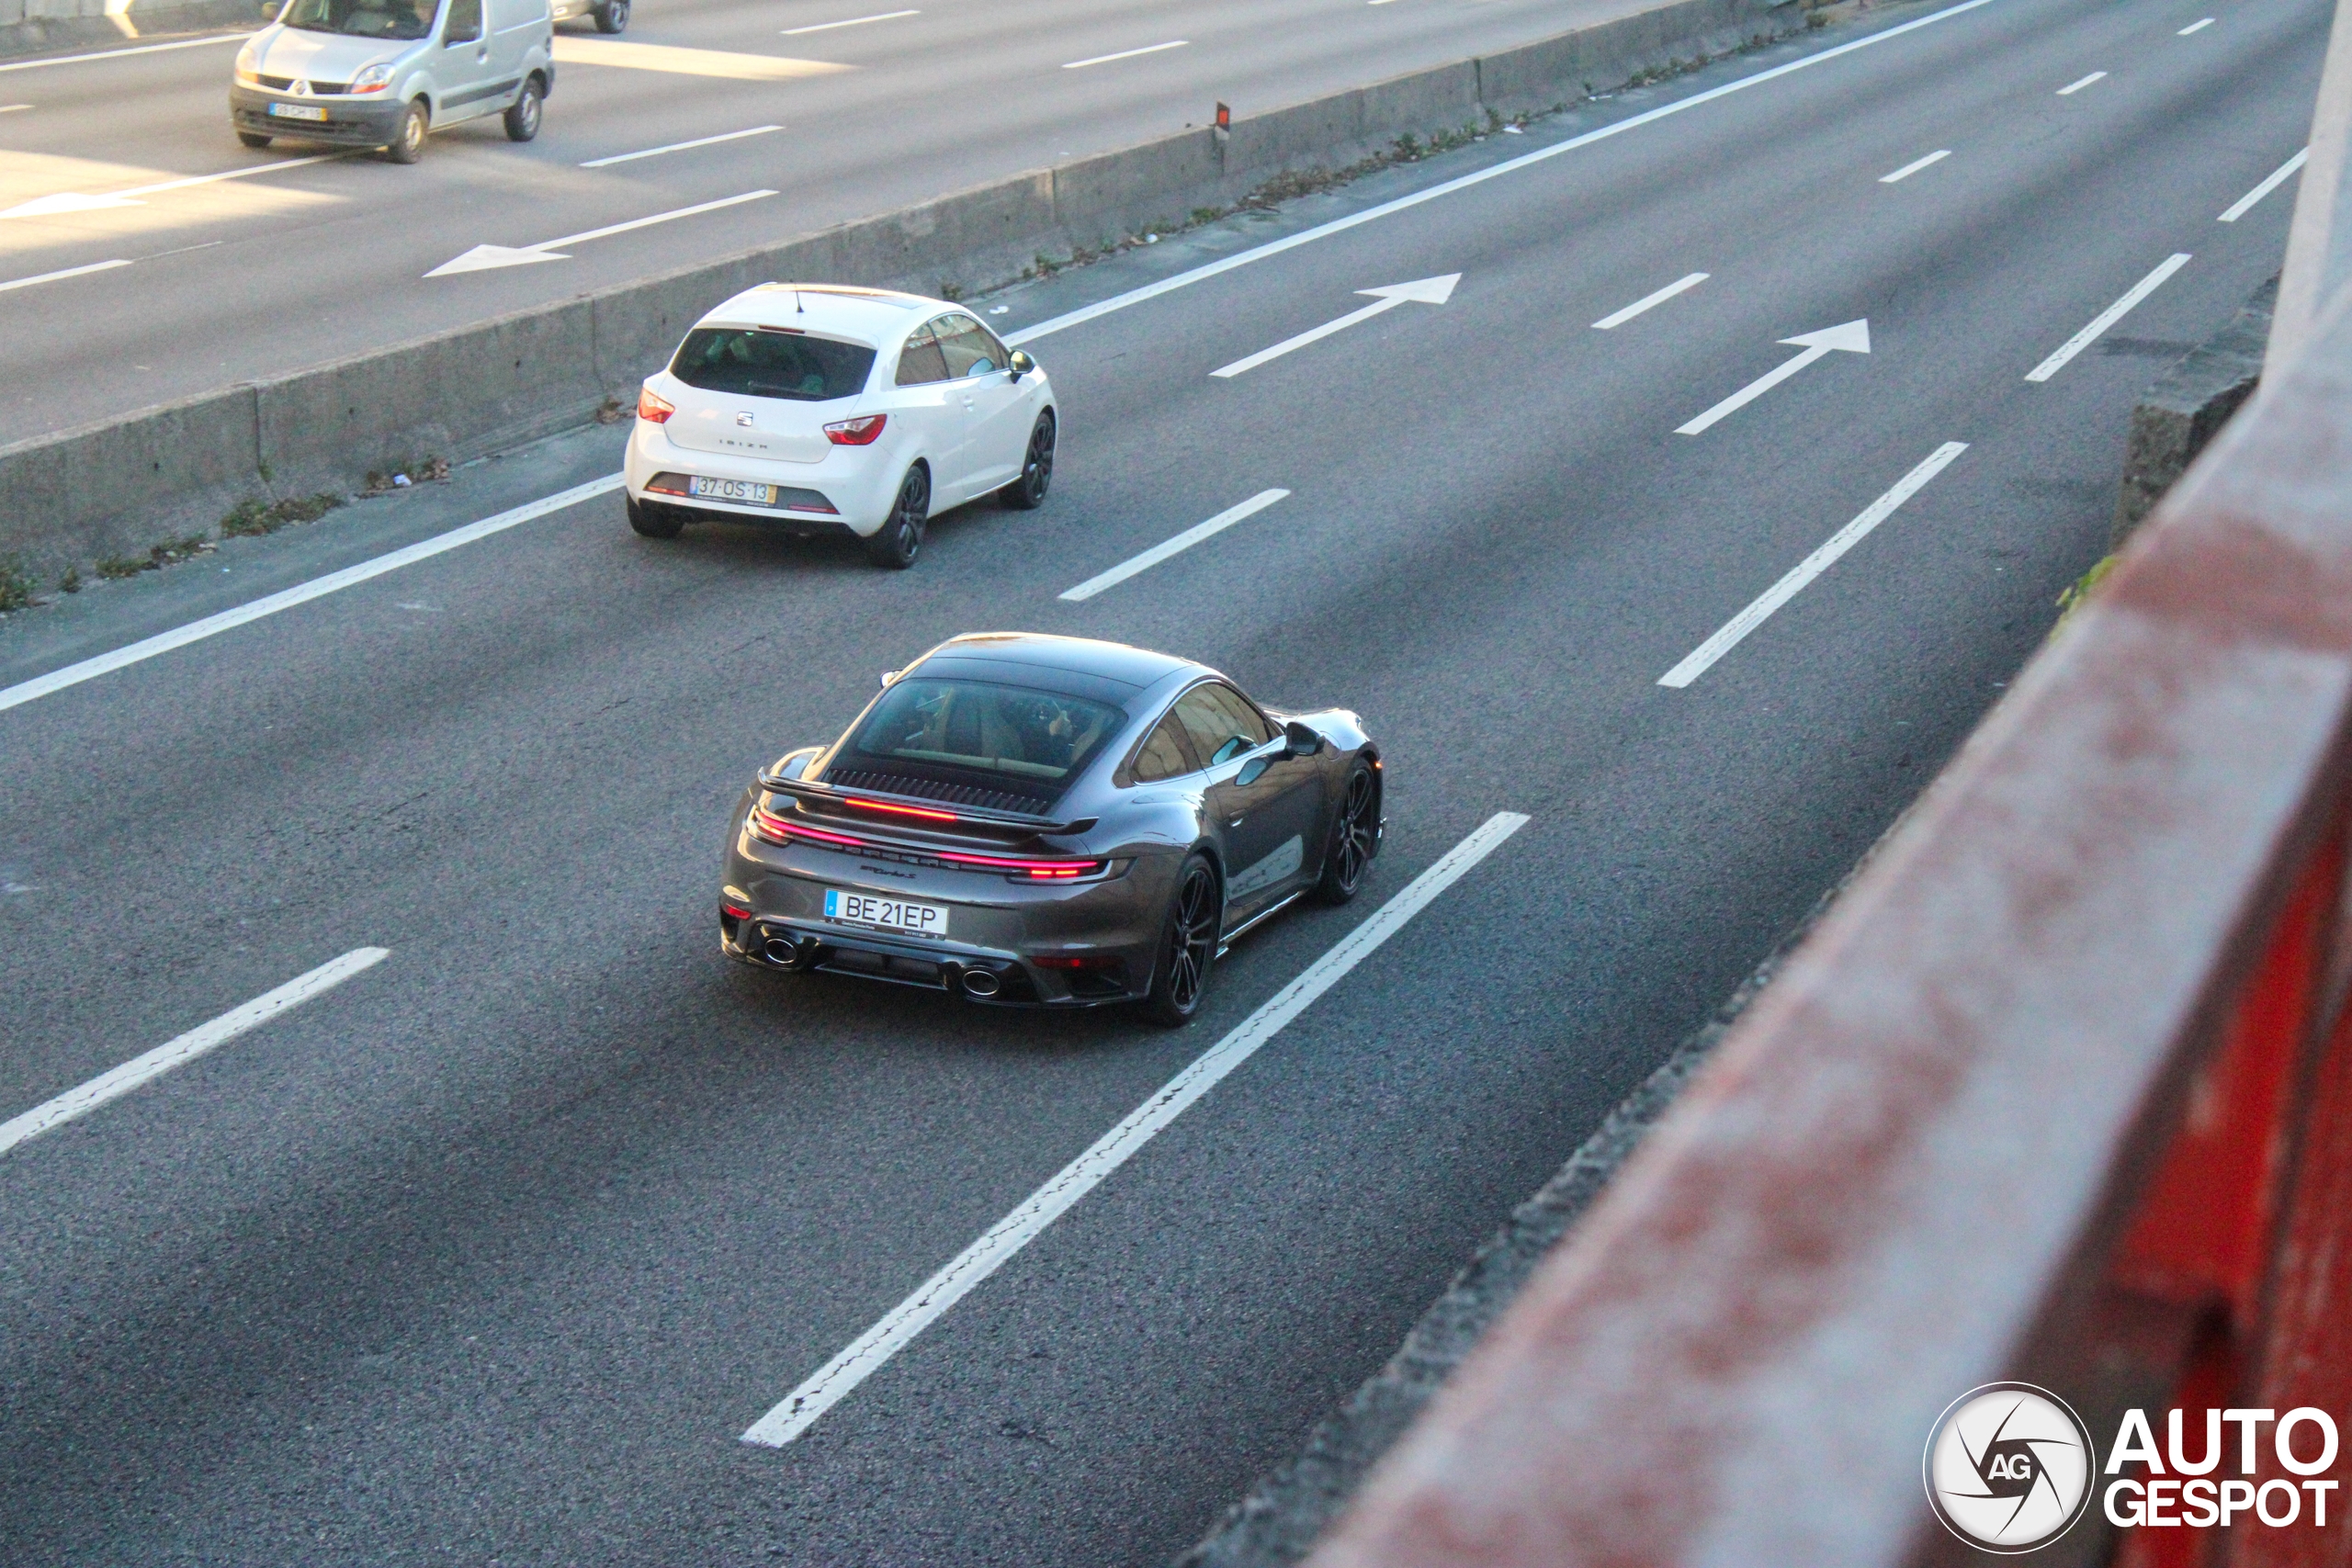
<point x="829" y="410"/>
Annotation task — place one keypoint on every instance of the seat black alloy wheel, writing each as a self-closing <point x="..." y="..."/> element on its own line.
<point x="900" y="539"/>
<point x="1188" y="945"/>
<point x="1037" y="468"/>
<point x="1353" y="834"/>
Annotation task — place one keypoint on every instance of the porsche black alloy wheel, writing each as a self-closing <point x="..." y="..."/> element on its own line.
<point x="1187" y="945"/>
<point x="1354" y="834"/>
<point x="900" y="539"/>
<point x="1028" y="491"/>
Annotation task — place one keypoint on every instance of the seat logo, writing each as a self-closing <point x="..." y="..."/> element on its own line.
<point x="2008" y="1467"/>
<point x="743" y="419"/>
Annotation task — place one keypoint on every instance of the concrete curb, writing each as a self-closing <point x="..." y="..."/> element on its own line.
<point x="37" y="26"/>
<point x="2187" y="408"/>
<point x="116" y="487"/>
<point x="1278" y="1523"/>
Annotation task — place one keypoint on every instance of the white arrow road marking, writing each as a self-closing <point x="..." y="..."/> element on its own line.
<point x="1426" y="291"/>
<point x="2106" y="318"/>
<point x="68" y="272"/>
<point x="800" y="1409"/>
<point x="119" y="1081"/>
<point x="2279" y="176"/>
<point x="1177" y="545"/>
<point x="481" y="258"/>
<point x="1813" y="566"/>
<point x="78" y="201"/>
<point x="1854" y="337"/>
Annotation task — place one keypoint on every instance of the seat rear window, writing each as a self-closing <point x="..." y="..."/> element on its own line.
<point x="758" y="364"/>
<point x="1011" y="736"/>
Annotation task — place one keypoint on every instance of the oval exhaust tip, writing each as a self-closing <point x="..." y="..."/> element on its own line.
<point x="980" y="983"/>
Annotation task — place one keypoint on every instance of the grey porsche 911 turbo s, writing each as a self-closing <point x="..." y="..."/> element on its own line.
<point x="1048" y="821"/>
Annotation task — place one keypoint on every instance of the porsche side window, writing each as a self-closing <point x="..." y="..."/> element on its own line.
<point x="1163" y="756"/>
<point x="921" y="362"/>
<point x="1221" y="725"/>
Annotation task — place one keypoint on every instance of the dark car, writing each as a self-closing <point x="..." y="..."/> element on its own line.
<point x="1048" y="821"/>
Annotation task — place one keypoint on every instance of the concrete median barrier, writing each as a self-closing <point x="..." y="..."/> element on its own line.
<point x="164" y="472"/>
<point x="31" y="26"/>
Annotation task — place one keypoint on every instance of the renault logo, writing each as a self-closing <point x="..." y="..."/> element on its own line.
<point x="301" y="89"/>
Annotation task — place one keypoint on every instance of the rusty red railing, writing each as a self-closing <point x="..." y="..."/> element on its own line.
<point x="2061" y="1092"/>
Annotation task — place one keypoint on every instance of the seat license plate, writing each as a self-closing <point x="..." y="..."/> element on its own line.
<point x="732" y="490"/>
<point x="885" y="914"/>
<point x="298" y="111"/>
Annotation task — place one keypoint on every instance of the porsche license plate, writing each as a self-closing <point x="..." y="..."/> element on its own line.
<point x="744" y="490"/>
<point x="298" y="111"/>
<point x="885" y="914"/>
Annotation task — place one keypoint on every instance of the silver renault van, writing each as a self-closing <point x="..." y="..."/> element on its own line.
<point x="386" y="73"/>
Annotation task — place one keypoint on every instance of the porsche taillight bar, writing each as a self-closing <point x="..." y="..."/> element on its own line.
<point x="767" y="825"/>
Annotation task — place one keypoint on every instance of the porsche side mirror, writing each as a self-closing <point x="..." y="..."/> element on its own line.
<point x="1303" y="742"/>
<point x="1021" y="364"/>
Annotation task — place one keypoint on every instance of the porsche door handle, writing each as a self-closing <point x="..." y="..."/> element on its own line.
<point x="1234" y="823"/>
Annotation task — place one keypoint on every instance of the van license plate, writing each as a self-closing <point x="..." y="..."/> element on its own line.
<point x="885" y="914"/>
<point x="298" y="111"/>
<point x="732" y="490"/>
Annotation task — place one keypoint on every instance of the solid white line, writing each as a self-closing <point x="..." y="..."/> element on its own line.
<point x="1813" y="566"/>
<point x="648" y="222"/>
<point x="800" y="1409"/>
<point x="1907" y="170"/>
<point x="53" y="277"/>
<point x="2106" y="318"/>
<point x="1124" y="54"/>
<point x="1313" y="334"/>
<point x="12" y="108"/>
<point x="679" y="146"/>
<point x="1177" y="545"/>
<point x="118" y="54"/>
<point x="302" y="593"/>
<point x="1463" y="182"/>
<point x="2244" y="204"/>
<point x="2073" y="87"/>
<point x="2195" y="28"/>
<point x="1619" y="318"/>
<point x="119" y="1081"/>
<point x="852" y="22"/>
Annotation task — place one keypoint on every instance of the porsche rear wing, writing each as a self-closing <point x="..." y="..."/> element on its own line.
<point x="917" y="809"/>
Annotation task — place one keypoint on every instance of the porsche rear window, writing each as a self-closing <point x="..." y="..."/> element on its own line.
<point x="1011" y="735"/>
<point x="761" y="363"/>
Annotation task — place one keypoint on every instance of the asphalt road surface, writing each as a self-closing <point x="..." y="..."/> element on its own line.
<point x="492" y="1253"/>
<point x="294" y="262"/>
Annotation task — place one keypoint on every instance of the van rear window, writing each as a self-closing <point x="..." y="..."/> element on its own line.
<point x="757" y="364"/>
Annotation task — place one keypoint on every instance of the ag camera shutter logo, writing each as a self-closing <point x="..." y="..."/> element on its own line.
<point x="2008" y="1467"/>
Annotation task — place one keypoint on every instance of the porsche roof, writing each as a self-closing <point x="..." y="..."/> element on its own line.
<point x="1134" y="668"/>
